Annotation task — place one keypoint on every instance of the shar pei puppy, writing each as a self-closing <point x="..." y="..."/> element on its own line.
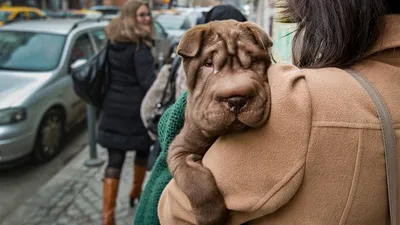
<point x="226" y="66"/>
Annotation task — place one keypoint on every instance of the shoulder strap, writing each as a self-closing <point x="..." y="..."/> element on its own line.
<point x="389" y="140"/>
<point x="171" y="81"/>
<point x="174" y="72"/>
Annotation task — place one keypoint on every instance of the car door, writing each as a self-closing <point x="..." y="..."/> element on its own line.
<point x="162" y="42"/>
<point x="81" y="47"/>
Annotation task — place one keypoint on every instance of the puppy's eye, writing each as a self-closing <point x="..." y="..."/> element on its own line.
<point x="208" y="63"/>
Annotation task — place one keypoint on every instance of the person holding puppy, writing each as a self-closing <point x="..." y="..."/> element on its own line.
<point x="120" y="127"/>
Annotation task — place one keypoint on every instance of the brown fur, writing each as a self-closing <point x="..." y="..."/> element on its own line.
<point x="223" y="60"/>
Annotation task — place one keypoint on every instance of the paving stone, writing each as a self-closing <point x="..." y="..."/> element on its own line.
<point x="63" y="221"/>
<point x="34" y="220"/>
<point x="56" y="211"/>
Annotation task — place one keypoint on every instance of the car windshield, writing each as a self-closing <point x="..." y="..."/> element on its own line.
<point x="4" y="15"/>
<point x="171" y="22"/>
<point x="30" y="51"/>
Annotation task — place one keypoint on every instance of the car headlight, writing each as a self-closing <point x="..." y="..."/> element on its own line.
<point x="8" y="116"/>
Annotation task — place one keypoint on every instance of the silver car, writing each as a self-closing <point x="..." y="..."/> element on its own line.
<point x="37" y="101"/>
<point x="174" y="25"/>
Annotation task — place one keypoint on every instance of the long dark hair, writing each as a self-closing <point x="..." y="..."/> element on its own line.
<point x="335" y="33"/>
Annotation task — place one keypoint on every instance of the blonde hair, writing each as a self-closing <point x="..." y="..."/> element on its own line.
<point x="125" y="28"/>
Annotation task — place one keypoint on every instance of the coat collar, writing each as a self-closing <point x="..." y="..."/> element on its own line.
<point x="390" y="37"/>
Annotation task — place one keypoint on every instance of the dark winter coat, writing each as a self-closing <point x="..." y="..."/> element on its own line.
<point x="132" y="73"/>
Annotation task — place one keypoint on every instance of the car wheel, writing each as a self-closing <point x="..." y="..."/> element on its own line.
<point x="49" y="137"/>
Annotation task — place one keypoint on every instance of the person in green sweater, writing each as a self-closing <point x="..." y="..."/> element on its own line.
<point x="169" y="126"/>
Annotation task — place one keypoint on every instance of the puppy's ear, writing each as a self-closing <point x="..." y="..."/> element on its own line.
<point x="191" y="41"/>
<point x="262" y="38"/>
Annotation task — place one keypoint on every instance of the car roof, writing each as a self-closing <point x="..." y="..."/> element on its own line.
<point x="54" y="26"/>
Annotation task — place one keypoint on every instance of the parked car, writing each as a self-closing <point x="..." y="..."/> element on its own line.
<point x="175" y="25"/>
<point x="77" y="14"/>
<point x="37" y="101"/>
<point x="193" y="14"/>
<point x="164" y="44"/>
<point x="12" y="14"/>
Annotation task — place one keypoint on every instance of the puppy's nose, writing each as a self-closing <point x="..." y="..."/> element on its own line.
<point x="235" y="103"/>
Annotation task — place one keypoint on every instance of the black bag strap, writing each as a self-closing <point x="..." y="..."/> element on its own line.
<point x="171" y="81"/>
<point x="389" y="140"/>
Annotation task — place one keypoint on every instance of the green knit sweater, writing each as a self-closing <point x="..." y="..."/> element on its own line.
<point x="169" y="126"/>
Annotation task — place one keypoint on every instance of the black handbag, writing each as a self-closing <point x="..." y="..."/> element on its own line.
<point x="91" y="80"/>
<point x="164" y="101"/>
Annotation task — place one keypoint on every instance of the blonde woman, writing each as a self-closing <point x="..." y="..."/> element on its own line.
<point x="132" y="73"/>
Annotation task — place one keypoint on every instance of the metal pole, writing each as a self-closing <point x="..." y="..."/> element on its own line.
<point x="93" y="159"/>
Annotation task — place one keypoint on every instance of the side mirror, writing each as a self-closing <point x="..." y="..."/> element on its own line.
<point x="78" y="63"/>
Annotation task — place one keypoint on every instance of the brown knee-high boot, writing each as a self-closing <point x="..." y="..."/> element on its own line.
<point x="110" y="192"/>
<point x="139" y="172"/>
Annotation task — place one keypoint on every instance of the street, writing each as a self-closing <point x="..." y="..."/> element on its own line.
<point x="23" y="181"/>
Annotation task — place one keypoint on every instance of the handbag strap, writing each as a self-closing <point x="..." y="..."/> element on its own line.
<point x="389" y="140"/>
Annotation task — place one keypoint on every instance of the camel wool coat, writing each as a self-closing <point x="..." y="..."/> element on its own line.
<point x="320" y="157"/>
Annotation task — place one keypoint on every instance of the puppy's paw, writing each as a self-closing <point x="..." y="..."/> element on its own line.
<point x="207" y="201"/>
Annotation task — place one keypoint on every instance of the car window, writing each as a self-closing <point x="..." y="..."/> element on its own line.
<point x="4" y="16"/>
<point x="33" y="15"/>
<point x="171" y="22"/>
<point x="99" y="37"/>
<point x="159" y="30"/>
<point x="20" y="16"/>
<point x="81" y="49"/>
<point x="30" y="51"/>
<point x="186" y="24"/>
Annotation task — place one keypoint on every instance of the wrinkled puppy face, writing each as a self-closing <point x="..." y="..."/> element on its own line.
<point x="226" y="66"/>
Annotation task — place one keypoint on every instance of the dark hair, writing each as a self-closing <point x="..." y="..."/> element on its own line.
<point x="335" y="33"/>
<point x="393" y="6"/>
<point x="224" y="12"/>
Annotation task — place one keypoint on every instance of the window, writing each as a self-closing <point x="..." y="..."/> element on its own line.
<point x="4" y="16"/>
<point x="82" y="49"/>
<point x="186" y="25"/>
<point x="99" y="37"/>
<point x="20" y="16"/>
<point x="30" y="51"/>
<point x="33" y="15"/>
<point x="171" y="22"/>
<point x="159" y="30"/>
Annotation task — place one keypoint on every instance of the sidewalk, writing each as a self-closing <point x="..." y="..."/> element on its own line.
<point x="73" y="196"/>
